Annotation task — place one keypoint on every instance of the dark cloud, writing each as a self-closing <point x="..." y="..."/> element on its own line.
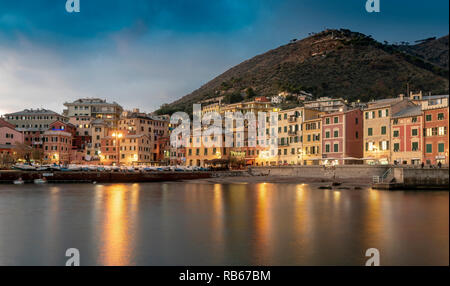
<point x="145" y="53"/>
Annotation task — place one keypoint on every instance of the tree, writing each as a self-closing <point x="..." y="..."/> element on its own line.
<point x="6" y="160"/>
<point x="22" y="152"/>
<point x="250" y="92"/>
<point x="233" y="98"/>
<point x="37" y="155"/>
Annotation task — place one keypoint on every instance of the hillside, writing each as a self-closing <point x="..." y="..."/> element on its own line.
<point x="334" y="63"/>
<point x="432" y="50"/>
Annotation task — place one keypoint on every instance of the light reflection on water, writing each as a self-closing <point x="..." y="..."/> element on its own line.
<point x="215" y="224"/>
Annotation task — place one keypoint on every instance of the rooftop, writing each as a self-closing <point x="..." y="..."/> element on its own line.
<point x="91" y="101"/>
<point x="27" y="112"/>
<point x="409" y="111"/>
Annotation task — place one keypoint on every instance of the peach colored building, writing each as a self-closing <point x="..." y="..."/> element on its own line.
<point x="377" y="128"/>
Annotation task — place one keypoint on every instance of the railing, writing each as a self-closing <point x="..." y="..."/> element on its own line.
<point x="382" y="178"/>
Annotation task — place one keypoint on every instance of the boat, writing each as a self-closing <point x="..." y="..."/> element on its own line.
<point x="24" y="167"/>
<point x="19" y="181"/>
<point x="40" y="181"/>
<point x="74" y="168"/>
<point x="43" y="168"/>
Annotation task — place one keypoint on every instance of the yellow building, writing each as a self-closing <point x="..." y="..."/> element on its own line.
<point x="312" y="142"/>
<point x="203" y="156"/>
<point x="290" y="134"/>
<point x="245" y="107"/>
<point x="214" y="107"/>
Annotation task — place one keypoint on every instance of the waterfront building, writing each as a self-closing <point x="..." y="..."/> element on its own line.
<point x="290" y="134"/>
<point x="99" y="130"/>
<point x="32" y="123"/>
<point x="203" y="156"/>
<point x="312" y="142"/>
<point x="342" y="137"/>
<point x="9" y="137"/>
<point x="407" y="136"/>
<point x="377" y="128"/>
<point x="156" y="128"/>
<point x="125" y="149"/>
<point x="84" y="110"/>
<point x="436" y="138"/>
<point x="57" y="146"/>
<point x="327" y="104"/>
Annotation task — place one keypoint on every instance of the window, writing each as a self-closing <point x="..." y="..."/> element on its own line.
<point x="428" y="117"/>
<point x="327" y="148"/>
<point x="415" y="146"/>
<point x="387" y="112"/>
<point x="327" y="120"/>
<point x="414" y="132"/>
<point x="441" y="116"/>
<point x="383" y="130"/>
<point x="442" y="131"/>
<point x="396" y="147"/>
<point x="356" y="135"/>
<point x="336" y="148"/>
<point x="384" y="145"/>
<point x="395" y="121"/>
<point x="379" y="113"/>
<point x="441" y="147"/>
<point x="429" y="148"/>
<point x="336" y="120"/>
<point x="336" y="133"/>
<point x="396" y="133"/>
<point x="414" y="120"/>
<point x="327" y="134"/>
<point x="370" y="131"/>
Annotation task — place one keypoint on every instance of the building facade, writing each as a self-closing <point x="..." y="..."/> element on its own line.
<point x="312" y="142"/>
<point x="9" y="137"/>
<point x="84" y="110"/>
<point x="377" y="129"/>
<point x="342" y="137"/>
<point x="32" y="123"/>
<point x="436" y="138"/>
<point x="407" y="136"/>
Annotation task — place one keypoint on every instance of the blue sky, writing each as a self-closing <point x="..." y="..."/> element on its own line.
<point x="146" y="53"/>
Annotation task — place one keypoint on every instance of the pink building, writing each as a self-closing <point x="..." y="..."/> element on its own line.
<point x="9" y="136"/>
<point x="342" y="137"/>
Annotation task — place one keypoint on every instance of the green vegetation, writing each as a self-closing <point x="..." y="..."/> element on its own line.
<point x="333" y="63"/>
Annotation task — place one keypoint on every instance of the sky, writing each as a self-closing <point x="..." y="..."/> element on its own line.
<point x="144" y="53"/>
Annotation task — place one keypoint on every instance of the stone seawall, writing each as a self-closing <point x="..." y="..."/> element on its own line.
<point x="101" y="177"/>
<point x="421" y="178"/>
<point x="359" y="172"/>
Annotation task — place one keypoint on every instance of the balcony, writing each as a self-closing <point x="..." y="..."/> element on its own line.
<point x="292" y="119"/>
<point x="292" y="132"/>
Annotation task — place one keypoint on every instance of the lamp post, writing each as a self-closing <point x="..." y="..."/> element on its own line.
<point x="117" y="137"/>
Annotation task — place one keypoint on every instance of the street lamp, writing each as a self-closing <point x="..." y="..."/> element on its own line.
<point x="117" y="137"/>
